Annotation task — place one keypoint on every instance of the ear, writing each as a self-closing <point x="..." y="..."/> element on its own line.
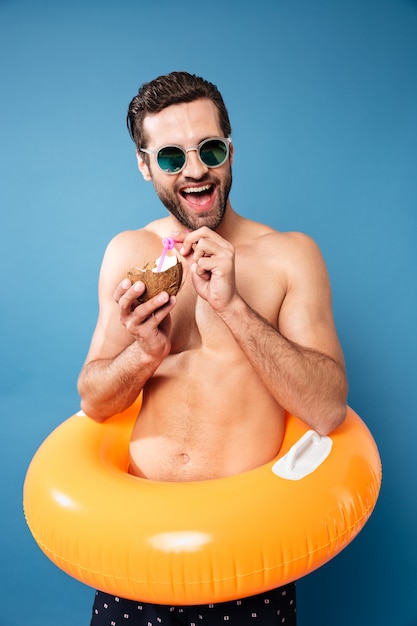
<point x="231" y="153"/>
<point x="142" y="167"/>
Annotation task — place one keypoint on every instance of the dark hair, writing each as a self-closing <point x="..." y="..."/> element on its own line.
<point x="173" y="88"/>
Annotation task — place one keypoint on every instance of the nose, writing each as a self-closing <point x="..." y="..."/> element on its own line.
<point x="194" y="167"/>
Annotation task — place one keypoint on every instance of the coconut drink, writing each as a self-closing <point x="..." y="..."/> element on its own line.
<point x="163" y="274"/>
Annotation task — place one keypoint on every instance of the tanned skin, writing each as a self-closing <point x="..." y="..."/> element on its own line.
<point x="249" y="336"/>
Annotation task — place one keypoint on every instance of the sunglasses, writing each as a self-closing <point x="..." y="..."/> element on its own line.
<point x="212" y="152"/>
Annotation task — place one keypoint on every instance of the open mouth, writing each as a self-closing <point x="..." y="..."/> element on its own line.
<point x="199" y="196"/>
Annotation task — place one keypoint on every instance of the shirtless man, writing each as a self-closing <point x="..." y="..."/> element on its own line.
<point x="249" y="336"/>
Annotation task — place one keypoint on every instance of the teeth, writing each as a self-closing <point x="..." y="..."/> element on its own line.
<point x="196" y="189"/>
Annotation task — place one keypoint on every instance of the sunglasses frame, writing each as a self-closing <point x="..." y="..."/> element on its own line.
<point x="226" y="140"/>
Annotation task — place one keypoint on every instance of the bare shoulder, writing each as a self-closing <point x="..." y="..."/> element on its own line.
<point x="132" y="240"/>
<point x="133" y="248"/>
<point x="292" y="252"/>
<point x="305" y="314"/>
<point x="289" y="243"/>
<point x="295" y="262"/>
<point x="303" y="260"/>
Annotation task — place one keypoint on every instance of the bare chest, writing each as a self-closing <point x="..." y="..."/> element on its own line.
<point x="195" y="324"/>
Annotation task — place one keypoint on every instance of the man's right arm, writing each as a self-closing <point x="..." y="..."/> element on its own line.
<point x="108" y="386"/>
<point x="128" y="345"/>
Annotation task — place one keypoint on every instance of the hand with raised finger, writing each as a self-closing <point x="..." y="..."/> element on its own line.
<point x="212" y="267"/>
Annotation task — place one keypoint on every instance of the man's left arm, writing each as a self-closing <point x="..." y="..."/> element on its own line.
<point x="299" y="360"/>
<point x="305" y="381"/>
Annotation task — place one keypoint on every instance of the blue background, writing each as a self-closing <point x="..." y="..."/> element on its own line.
<point x="323" y="102"/>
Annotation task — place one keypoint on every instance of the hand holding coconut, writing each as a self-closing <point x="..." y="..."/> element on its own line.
<point x="152" y="286"/>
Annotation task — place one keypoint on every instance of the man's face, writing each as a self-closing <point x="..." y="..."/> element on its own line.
<point x="198" y="195"/>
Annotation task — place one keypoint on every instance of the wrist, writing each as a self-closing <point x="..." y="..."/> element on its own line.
<point x="233" y="311"/>
<point x="143" y="358"/>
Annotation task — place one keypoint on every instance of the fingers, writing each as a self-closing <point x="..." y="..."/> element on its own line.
<point x="126" y="295"/>
<point x="122" y="289"/>
<point x="203" y="268"/>
<point x="212" y="266"/>
<point x="211" y="256"/>
<point x="205" y="242"/>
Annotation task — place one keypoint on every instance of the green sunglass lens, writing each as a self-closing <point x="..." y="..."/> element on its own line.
<point x="171" y="159"/>
<point x="213" y="153"/>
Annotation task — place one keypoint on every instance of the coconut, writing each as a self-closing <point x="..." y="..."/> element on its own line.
<point x="167" y="279"/>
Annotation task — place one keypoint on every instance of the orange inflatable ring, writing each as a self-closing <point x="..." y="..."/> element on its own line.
<point x="197" y="542"/>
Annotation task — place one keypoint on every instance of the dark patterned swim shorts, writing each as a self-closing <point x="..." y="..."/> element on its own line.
<point x="271" y="608"/>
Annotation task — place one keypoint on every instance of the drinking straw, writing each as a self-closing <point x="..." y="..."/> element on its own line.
<point x="168" y="243"/>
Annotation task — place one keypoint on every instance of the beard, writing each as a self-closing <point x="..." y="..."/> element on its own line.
<point x="190" y="220"/>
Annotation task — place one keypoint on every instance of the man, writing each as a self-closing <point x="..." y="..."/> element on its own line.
<point x="249" y="336"/>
